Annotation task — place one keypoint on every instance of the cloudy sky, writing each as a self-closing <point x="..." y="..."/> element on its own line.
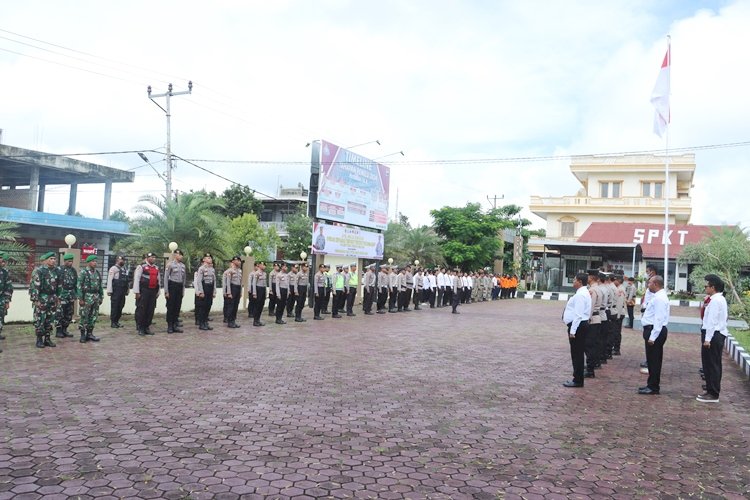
<point x="440" y="80"/>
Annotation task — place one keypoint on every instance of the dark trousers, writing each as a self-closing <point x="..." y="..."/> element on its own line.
<point x="654" y="356"/>
<point x="301" y="298"/>
<point x="591" y="346"/>
<point x="258" y="302"/>
<point x="447" y="296"/>
<point x="601" y="340"/>
<point x="618" y="333"/>
<point x="440" y="292"/>
<point x="326" y="299"/>
<point x="65" y="314"/>
<point x="280" y="302"/>
<point x="337" y="302"/>
<point x="417" y="297"/>
<point x="145" y="306"/>
<point x="577" y="349"/>
<point x="174" y="302"/>
<point x="117" y="303"/>
<point x="369" y="292"/>
<point x="350" y="296"/>
<point x="205" y="302"/>
<point x="711" y="358"/>
<point x="320" y="297"/>
<point x="631" y="317"/>
<point x="382" y="298"/>
<point x="234" y="303"/>
<point x="272" y="299"/>
<point x="291" y="300"/>
<point x="251" y="304"/>
<point x="431" y="297"/>
<point x="455" y="299"/>
<point x="609" y="339"/>
<point x="393" y="298"/>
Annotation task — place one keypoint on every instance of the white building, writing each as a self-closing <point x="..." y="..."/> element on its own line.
<point x="625" y="193"/>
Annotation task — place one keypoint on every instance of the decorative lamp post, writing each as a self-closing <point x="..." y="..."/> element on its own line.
<point x="390" y="261"/>
<point x="70" y="240"/>
<point x="416" y="262"/>
<point x="248" y="250"/>
<point x="173" y="246"/>
<point x="303" y="255"/>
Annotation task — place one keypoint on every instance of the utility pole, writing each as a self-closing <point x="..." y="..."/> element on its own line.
<point x="168" y="94"/>
<point x="494" y="199"/>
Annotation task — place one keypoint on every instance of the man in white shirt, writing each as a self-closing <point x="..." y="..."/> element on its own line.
<point x="713" y="332"/>
<point x="576" y="318"/>
<point x="654" y="320"/>
<point x="650" y="271"/>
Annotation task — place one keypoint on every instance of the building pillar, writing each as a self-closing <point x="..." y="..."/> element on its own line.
<point x="33" y="188"/>
<point x="107" y="199"/>
<point x="40" y="198"/>
<point x="72" y="199"/>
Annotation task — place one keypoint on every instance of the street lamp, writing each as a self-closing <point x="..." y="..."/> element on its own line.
<point x="172" y="246"/>
<point x="416" y="262"/>
<point x="303" y="255"/>
<point x="390" y="154"/>
<point x="390" y="260"/>
<point x="248" y="250"/>
<point x="70" y="240"/>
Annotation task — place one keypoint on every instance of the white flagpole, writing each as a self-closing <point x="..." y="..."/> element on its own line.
<point x="666" y="168"/>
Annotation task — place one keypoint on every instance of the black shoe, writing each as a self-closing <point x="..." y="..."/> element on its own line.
<point x="84" y="338"/>
<point x="616" y="353"/>
<point x="48" y="342"/>
<point x="589" y="374"/>
<point x="382" y="312"/>
<point x="318" y="318"/>
<point x="141" y="332"/>
<point x="114" y="325"/>
<point x="644" y="364"/>
<point x="299" y="320"/>
<point x="571" y="383"/>
<point x="370" y="313"/>
<point x="59" y="333"/>
<point x="392" y="310"/>
<point x="647" y="391"/>
<point x="455" y="312"/>
<point x="406" y="309"/>
<point x="289" y="315"/>
<point x="350" y="314"/>
<point x="177" y="329"/>
<point x="203" y="326"/>
<point x="280" y="322"/>
<point x="170" y="328"/>
<point x="66" y="333"/>
<point x="258" y="323"/>
<point x="148" y="331"/>
<point x="337" y="316"/>
<point x="90" y="336"/>
<point x="40" y="342"/>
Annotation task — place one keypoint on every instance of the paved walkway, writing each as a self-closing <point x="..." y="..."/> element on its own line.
<point x="418" y="405"/>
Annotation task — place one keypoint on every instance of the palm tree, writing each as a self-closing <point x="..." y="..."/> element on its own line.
<point x="193" y="220"/>
<point x="18" y="253"/>
<point x="423" y="244"/>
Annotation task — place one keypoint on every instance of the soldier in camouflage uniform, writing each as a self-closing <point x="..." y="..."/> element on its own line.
<point x="6" y="292"/>
<point x="90" y="294"/>
<point x="43" y="295"/>
<point x="66" y="292"/>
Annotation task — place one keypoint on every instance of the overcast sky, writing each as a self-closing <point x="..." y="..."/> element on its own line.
<point x="440" y="80"/>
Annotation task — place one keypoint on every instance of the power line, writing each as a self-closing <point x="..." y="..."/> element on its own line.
<point x="222" y="177"/>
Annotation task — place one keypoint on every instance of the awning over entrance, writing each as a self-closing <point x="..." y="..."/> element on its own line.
<point x="607" y="251"/>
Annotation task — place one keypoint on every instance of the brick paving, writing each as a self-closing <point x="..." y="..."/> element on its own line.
<point x="418" y="405"/>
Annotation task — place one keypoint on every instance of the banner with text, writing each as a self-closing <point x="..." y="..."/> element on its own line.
<point x="352" y="189"/>
<point x="346" y="241"/>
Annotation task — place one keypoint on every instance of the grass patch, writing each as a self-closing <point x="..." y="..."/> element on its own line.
<point x="742" y="337"/>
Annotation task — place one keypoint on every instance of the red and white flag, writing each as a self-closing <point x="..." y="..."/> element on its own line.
<point x="660" y="96"/>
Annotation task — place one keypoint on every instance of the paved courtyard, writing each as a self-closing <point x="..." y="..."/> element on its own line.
<point x="417" y="405"/>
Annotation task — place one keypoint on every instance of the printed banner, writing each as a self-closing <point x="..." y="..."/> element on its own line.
<point x="353" y="189"/>
<point x="346" y="241"/>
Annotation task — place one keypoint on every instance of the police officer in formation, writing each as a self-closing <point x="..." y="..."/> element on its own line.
<point x="117" y="289"/>
<point x="175" y="281"/>
<point x="146" y="288"/>
<point x="90" y="294"/>
<point x="300" y="291"/>
<point x="232" y="291"/>
<point x="205" y="291"/>
<point x="258" y="284"/>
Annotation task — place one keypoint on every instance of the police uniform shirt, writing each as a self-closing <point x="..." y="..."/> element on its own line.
<point x="272" y="279"/>
<point x="259" y="281"/>
<point x="577" y="309"/>
<point x="282" y="282"/>
<point x="115" y="272"/>
<point x="292" y="276"/>
<point x="320" y="280"/>
<point x="139" y="273"/>
<point x="408" y="280"/>
<point x="393" y="280"/>
<point x="176" y="272"/>
<point x="302" y="279"/>
<point x="418" y="281"/>
<point x="232" y="276"/>
<point x="619" y="307"/>
<point x="370" y="278"/>
<point x="206" y="274"/>
<point x="596" y="303"/>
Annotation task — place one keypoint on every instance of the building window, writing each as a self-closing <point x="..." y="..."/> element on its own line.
<point x="652" y="189"/>
<point x="610" y="189"/>
<point x="266" y="216"/>
<point x="567" y="229"/>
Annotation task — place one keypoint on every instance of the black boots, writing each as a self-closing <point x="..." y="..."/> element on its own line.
<point x="40" y="341"/>
<point x="48" y="342"/>
<point x="88" y="334"/>
<point x="59" y="333"/>
<point x="204" y="326"/>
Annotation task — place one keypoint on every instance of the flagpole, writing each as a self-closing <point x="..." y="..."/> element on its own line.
<point x="666" y="170"/>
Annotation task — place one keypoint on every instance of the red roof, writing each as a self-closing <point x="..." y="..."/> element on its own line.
<point x="648" y="235"/>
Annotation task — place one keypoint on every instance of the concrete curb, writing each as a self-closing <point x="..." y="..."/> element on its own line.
<point x="738" y="355"/>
